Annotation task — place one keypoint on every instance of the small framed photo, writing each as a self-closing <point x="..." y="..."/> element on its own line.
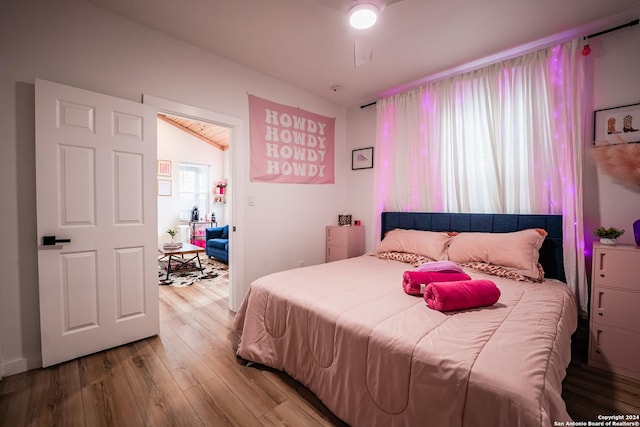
<point x="164" y="167"/>
<point x="616" y="125"/>
<point x="164" y="187"/>
<point x="362" y="158"/>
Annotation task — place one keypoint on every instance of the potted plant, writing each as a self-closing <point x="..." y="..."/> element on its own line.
<point x="609" y="235"/>
<point x="173" y="245"/>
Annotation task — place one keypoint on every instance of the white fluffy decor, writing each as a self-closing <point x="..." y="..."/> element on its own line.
<point x="621" y="161"/>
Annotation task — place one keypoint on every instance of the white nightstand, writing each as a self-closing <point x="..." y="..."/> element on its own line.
<point x="614" y="342"/>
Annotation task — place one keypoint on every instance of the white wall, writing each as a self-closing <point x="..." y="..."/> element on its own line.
<point x="180" y="147"/>
<point x="79" y="44"/>
<point x="361" y="131"/>
<point x="609" y="202"/>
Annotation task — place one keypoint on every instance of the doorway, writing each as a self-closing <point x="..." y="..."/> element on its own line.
<point x="234" y="127"/>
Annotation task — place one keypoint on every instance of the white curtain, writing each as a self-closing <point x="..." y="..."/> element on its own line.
<point x="507" y="138"/>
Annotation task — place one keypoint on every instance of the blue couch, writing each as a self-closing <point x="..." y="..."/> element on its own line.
<point x="217" y="239"/>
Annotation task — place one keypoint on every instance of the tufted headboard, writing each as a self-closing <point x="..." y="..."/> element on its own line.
<point x="551" y="257"/>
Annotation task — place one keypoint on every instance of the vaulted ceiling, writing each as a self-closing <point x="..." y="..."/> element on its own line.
<point x="212" y="134"/>
<point x="309" y="44"/>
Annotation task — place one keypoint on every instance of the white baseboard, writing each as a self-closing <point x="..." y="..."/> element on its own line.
<point x="17" y="366"/>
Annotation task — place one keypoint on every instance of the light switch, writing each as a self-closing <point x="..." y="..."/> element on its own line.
<point x="252" y="200"/>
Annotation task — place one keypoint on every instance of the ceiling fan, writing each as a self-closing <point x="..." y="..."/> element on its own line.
<point x="362" y="16"/>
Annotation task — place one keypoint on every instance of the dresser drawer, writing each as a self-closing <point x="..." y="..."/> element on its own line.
<point x="618" y="267"/>
<point x="615" y="307"/>
<point x="615" y="350"/>
<point x="335" y="253"/>
<point x="337" y="236"/>
<point x="344" y="242"/>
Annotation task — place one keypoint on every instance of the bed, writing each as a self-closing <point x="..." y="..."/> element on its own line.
<point x="377" y="356"/>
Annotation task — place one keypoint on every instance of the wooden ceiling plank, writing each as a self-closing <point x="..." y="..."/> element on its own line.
<point x="190" y="132"/>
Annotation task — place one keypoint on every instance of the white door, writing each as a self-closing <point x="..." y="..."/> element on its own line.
<point x="96" y="187"/>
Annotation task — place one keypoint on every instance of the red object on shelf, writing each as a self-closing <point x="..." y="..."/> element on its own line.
<point x="199" y="242"/>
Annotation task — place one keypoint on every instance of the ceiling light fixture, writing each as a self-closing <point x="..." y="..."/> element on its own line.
<point x="363" y="16"/>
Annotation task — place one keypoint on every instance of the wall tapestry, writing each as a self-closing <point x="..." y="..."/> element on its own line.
<point x="290" y="145"/>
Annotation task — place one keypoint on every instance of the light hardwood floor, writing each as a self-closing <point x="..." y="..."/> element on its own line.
<point x="189" y="376"/>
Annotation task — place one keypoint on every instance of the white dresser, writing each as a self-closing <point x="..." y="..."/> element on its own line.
<point x="344" y="242"/>
<point x="614" y="342"/>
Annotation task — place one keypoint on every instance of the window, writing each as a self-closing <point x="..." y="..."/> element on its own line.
<point x="194" y="189"/>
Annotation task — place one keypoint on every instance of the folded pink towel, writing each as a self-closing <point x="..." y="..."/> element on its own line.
<point x="414" y="282"/>
<point x="450" y="296"/>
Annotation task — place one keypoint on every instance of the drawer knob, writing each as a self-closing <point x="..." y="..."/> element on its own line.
<point x="598" y="351"/>
<point x="600" y="314"/>
<point x="601" y="275"/>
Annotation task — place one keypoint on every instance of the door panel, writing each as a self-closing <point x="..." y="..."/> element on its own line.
<point x="80" y="286"/>
<point x="130" y="282"/>
<point x="77" y="185"/>
<point x="128" y="175"/>
<point x="96" y="186"/>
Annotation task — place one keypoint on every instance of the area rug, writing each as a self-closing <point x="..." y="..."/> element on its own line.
<point x="188" y="274"/>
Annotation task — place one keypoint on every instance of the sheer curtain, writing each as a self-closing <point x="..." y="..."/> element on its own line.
<point x="507" y="138"/>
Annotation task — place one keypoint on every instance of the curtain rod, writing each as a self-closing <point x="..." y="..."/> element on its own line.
<point x="619" y="27"/>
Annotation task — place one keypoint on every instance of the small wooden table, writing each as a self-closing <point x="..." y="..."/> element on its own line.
<point x="186" y="249"/>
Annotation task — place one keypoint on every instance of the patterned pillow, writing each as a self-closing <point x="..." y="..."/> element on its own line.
<point x="497" y="270"/>
<point x="409" y="258"/>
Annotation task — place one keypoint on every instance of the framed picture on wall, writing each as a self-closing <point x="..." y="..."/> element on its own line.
<point x="164" y="187"/>
<point x="164" y="167"/>
<point x="362" y="158"/>
<point x="617" y="125"/>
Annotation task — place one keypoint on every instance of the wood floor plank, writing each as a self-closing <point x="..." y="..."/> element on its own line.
<point x="288" y="414"/>
<point x="110" y="403"/>
<point x="16" y="382"/>
<point x="186" y="367"/>
<point x="595" y="379"/>
<point x="94" y="368"/>
<point x="14" y="407"/>
<point x="226" y="404"/>
<point x="293" y="391"/>
<point x="189" y="375"/>
<point x="157" y="396"/>
<point x="589" y="392"/>
<point x="206" y="408"/>
<point x="246" y="388"/>
<point x="55" y="398"/>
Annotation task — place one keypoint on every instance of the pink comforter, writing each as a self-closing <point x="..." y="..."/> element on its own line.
<point x="379" y="357"/>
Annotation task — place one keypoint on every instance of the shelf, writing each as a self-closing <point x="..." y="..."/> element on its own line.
<point x="197" y="231"/>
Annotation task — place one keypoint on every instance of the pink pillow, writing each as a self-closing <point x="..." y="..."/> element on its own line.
<point x="427" y="243"/>
<point x="517" y="251"/>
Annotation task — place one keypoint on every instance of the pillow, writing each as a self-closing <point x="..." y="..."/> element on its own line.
<point x="441" y="266"/>
<point x="517" y="251"/>
<point x="496" y="270"/>
<point x="426" y="243"/>
<point x="413" y="259"/>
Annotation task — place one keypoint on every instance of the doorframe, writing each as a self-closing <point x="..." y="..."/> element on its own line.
<point x="236" y="136"/>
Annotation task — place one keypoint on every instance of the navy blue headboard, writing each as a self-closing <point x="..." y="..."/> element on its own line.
<point x="551" y="257"/>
